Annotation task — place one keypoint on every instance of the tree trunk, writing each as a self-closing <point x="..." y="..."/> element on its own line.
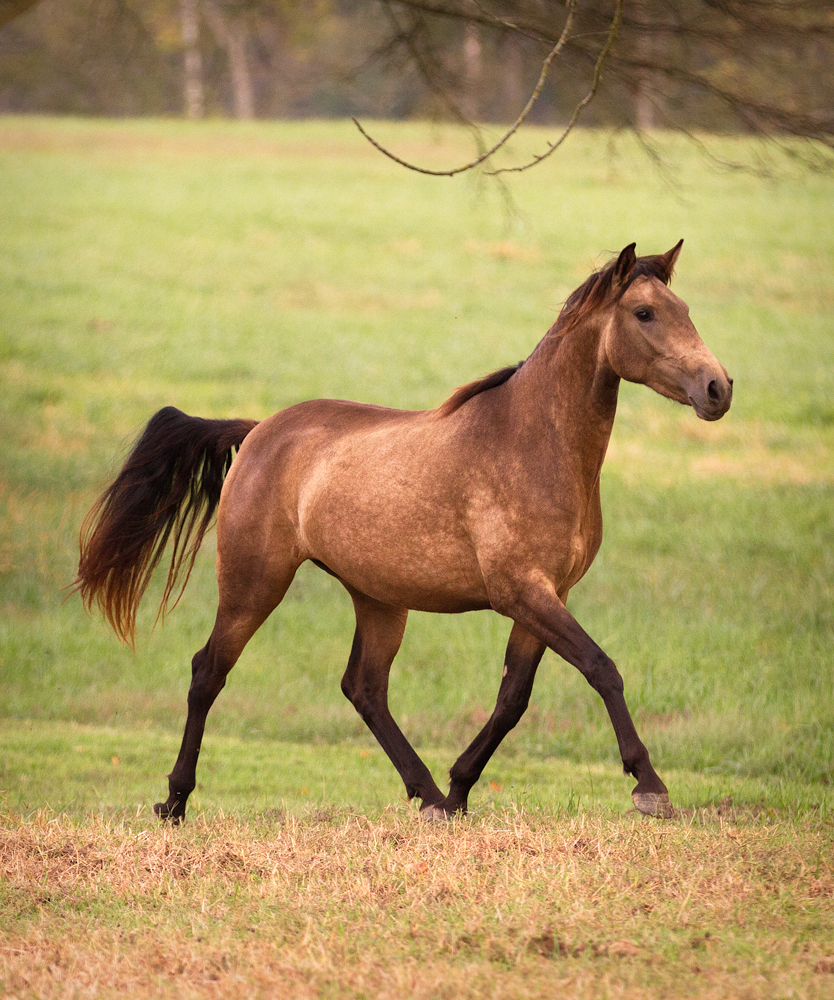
<point x="513" y="97"/>
<point x="646" y="94"/>
<point x="472" y="71"/>
<point x="193" y="64"/>
<point x="231" y="36"/>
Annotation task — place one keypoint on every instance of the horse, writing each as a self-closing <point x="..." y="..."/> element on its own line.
<point x="490" y="501"/>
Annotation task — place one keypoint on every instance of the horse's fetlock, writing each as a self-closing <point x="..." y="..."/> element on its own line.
<point x="460" y="776"/>
<point x="180" y="790"/>
<point x="636" y="763"/>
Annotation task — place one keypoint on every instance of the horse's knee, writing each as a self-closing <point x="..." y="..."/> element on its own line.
<point x="364" y="691"/>
<point x="365" y="682"/>
<point x="364" y="698"/>
<point x="602" y="674"/>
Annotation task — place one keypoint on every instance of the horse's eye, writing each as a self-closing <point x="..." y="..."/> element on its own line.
<point x="644" y="315"/>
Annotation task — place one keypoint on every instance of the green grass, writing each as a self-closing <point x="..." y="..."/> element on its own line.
<point x="233" y="270"/>
<point x="81" y="770"/>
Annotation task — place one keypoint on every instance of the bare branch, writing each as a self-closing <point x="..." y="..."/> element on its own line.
<point x="10" y="9"/>
<point x="427" y="63"/>
<point x="580" y="107"/>
<point x="528" y="107"/>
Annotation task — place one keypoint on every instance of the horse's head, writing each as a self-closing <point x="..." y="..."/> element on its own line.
<point x="649" y="337"/>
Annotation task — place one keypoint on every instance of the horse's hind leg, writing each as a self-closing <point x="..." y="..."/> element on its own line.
<point x="379" y="632"/>
<point x="524" y="653"/>
<point x="242" y="610"/>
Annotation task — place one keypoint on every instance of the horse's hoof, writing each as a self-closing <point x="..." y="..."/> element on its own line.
<point x="167" y="815"/>
<point x="653" y="804"/>
<point x="434" y="814"/>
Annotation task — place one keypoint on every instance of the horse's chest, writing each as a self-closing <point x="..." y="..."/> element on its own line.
<point x="577" y="547"/>
<point x="577" y="561"/>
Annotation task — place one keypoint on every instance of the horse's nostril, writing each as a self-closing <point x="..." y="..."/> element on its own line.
<point x="712" y="391"/>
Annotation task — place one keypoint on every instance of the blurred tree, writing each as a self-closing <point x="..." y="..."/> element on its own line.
<point x="228" y="23"/>
<point x="761" y="66"/>
<point x="10" y="9"/>
<point x="192" y="60"/>
<point x="93" y="57"/>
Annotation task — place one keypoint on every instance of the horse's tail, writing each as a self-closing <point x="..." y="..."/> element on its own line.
<point x="169" y="485"/>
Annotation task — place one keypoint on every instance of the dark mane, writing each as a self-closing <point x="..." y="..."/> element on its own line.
<point x="466" y="392"/>
<point x="586" y="299"/>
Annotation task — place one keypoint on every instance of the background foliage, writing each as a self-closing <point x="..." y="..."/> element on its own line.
<point x="755" y="66"/>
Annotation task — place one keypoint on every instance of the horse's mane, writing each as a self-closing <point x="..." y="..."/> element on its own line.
<point x="466" y="392"/>
<point x="586" y="299"/>
<point x="596" y="289"/>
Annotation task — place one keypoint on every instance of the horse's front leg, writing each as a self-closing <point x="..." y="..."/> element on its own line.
<point x="537" y="606"/>
<point x="524" y="652"/>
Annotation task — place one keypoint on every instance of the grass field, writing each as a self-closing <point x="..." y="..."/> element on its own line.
<point x="233" y="270"/>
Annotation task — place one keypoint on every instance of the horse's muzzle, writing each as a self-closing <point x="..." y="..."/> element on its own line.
<point x="712" y="397"/>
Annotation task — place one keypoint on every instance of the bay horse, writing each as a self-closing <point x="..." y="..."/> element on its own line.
<point x="491" y="500"/>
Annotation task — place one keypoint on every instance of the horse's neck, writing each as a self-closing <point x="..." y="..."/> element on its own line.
<point x="571" y="391"/>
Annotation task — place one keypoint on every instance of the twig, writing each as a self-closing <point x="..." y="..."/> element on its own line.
<point x="554" y="52"/>
<point x="580" y="107"/>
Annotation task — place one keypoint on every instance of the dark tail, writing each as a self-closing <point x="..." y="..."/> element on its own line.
<point x="169" y="486"/>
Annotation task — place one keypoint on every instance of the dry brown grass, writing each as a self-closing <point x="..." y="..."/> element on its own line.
<point x="339" y="905"/>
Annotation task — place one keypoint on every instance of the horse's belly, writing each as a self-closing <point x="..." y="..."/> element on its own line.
<point x="406" y="557"/>
<point x="417" y="593"/>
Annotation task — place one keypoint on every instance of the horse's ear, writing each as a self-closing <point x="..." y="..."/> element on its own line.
<point x="625" y="265"/>
<point x="669" y="259"/>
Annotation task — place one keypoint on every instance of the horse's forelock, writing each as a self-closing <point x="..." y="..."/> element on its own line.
<point x="654" y="266"/>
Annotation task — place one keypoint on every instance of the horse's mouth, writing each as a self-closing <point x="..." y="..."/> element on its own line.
<point x="713" y="410"/>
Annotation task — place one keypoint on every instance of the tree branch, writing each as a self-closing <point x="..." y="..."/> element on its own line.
<point x="580" y="107"/>
<point x="528" y="107"/>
